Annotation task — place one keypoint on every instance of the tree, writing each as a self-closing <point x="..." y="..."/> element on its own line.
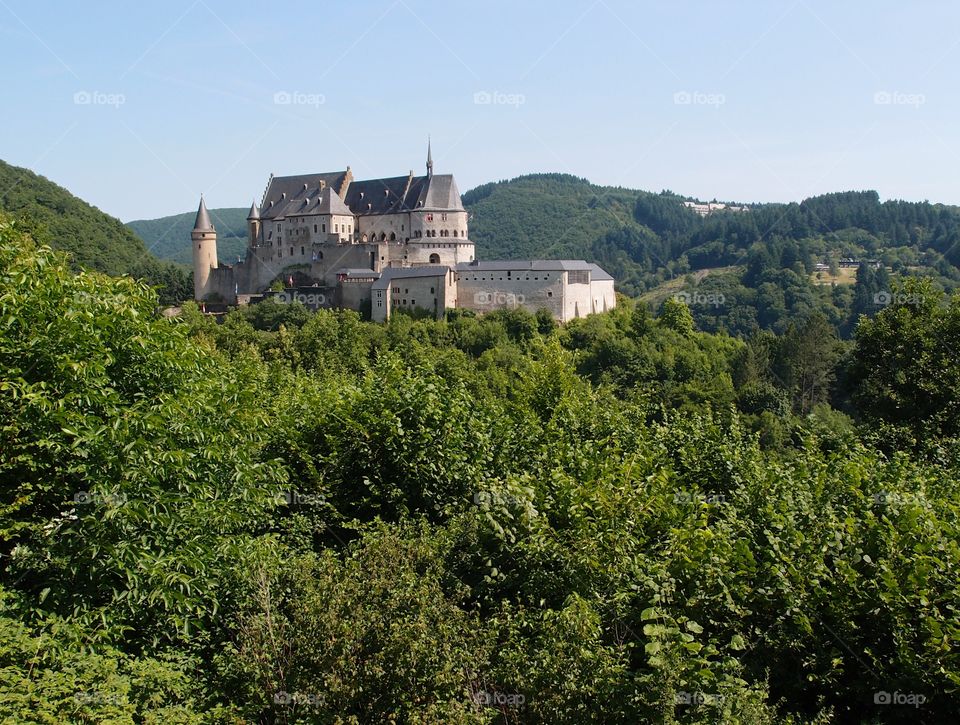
<point x="676" y="316"/>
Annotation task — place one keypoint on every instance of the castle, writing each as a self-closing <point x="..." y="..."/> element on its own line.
<point x="382" y="245"/>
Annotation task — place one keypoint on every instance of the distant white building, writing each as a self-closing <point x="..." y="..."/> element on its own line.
<point x="711" y="207"/>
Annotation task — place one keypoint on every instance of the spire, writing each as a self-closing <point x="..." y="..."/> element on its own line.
<point x="203" y="218"/>
<point x="429" y="158"/>
<point x="254" y="212"/>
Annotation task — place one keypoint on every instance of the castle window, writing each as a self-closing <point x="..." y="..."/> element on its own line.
<point x="314" y="228"/>
<point x="279" y="254"/>
<point x="549" y="293"/>
<point x="434" y="259"/>
<point x="291" y="251"/>
<point x="443" y="217"/>
<point x="336" y="228"/>
<point x="431" y="290"/>
<point x="324" y="228"/>
<point x="302" y="251"/>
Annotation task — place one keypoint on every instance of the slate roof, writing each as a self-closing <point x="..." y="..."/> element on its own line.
<point x="392" y="273"/>
<point x="331" y="203"/>
<point x="533" y="265"/>
<point x="354" y="272"/>
<point x="254" y="212"/>
<point x="599" y="274"/>
<point x="202" y="222"/>
<point x="285" y="195"/>
<point x="301" y="195"/>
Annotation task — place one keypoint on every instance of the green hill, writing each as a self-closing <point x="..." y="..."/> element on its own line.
<point x="169" y="237"/>
<point x="95" y="239"/>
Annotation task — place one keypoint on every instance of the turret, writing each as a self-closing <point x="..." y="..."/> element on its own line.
<point x="204" y="238"/>
<point x="253" y="225"/>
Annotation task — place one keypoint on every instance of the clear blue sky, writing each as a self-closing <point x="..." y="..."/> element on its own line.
<point x="140" y="107"/>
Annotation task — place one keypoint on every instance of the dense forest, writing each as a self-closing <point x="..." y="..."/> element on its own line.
<point x="281" y="516"/>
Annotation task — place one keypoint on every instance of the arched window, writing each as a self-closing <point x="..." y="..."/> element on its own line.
<point x="383" y="236"/>
<point x="393" y="236"/>
<point x="434" y="258"/>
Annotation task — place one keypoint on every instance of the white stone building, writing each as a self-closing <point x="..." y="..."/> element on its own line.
<point x="383" y="244"/>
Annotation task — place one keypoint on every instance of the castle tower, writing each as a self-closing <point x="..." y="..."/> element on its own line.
<point x="253" y="225"/>
<point x="204" y="238"/>
<point x="429" y="159"/>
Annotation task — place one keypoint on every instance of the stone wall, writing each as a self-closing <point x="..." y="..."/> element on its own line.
<point x="488" y="290"/>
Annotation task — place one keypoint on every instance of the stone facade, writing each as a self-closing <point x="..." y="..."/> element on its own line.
<point x="567" y="288"/>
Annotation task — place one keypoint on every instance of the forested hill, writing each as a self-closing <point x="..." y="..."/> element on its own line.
<point x="94" y="239"/>
<point x="760" y="266"/>
<point x="638" y="234"/>
<point x="168" y="237"/>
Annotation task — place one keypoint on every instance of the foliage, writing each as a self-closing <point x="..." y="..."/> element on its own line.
<point x="295" y="517"/>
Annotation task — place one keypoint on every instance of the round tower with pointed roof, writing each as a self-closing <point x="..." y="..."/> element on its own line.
<point x="253" y="225"/>
<point x="204" y="238"/>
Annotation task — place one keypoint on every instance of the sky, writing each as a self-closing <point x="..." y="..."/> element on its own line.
<point x="138" y="108"/>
